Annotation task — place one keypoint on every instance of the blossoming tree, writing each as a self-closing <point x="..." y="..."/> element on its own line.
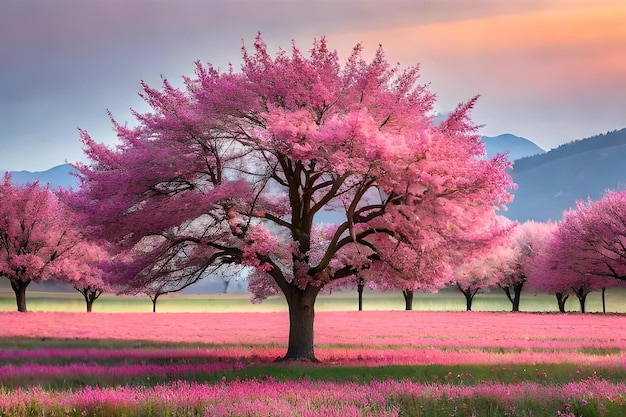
<point x="596" y="232"/>
<point x="556" y="275"/>
<point x="452" y="254"/>
<point x="36" y="234"/>
<point x="482" y="271"/>
<point x="587" y="250"/>
<point x="239" y="167"/>
<point x="529" y="242"/>
<point x="84" y="271"/>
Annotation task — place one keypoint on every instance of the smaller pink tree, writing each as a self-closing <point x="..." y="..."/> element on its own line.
<point x="596" y="234"/>
<point x="481" y="272"/>
<point x="443" y="250"/>
<point x="85" y="271"/>
<point x="562" y="281"/>
<point x="529" y="241"/>
<point x="37" y="232"/>
<point x="562" y="270"/>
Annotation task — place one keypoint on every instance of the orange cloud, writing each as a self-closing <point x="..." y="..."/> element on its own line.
<point x="577" y="46"/>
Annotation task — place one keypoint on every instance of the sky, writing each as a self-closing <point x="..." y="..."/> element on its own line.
<point x="551" y="71"/>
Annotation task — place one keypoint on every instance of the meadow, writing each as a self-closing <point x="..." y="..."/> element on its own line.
<point x="384" y="362"/>
<point x="445" y="300"/>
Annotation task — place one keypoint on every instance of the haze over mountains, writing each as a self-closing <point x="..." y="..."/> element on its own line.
<point x="548" y="182"/>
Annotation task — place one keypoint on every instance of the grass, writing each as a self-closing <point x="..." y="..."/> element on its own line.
<point x="445" y="300"/>
<point x="548" y="373"/>
<point x="448" y="385"/>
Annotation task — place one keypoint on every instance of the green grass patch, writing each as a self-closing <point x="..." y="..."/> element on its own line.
<point x="546" y="374"/>
<point x="466" y="375"/>
<point x="600" y="351"/>
<point x="444" y="300"/>
<point x="24" y="343"/>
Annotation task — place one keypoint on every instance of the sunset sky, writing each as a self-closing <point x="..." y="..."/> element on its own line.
<point x="551" y="71"/>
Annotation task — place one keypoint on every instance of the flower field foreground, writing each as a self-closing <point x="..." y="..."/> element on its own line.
<point x="298" y="398"/>
<point x="449" y="364"/>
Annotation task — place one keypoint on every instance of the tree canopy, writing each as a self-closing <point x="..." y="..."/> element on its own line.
<point x="593" y="236"/>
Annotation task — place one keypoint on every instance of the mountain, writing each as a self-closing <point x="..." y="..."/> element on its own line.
<point x="552" y="182"/>
<point x="59" y="176"/>
<point x="606" y="140"/>
<point x="517" y="147"/>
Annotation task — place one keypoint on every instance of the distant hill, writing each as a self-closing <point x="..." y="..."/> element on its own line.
<point x="552" y="182"/>
<point x="601" y="141"/>
<point x="516" y="147"/>
<point x="59" y="176"/>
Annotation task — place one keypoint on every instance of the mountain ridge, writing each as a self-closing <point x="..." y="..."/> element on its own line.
<point x="600" y="141"/>
<point x="57" y="176"/>
<point x="515" y="147"/>
<point x="548" y="189"/>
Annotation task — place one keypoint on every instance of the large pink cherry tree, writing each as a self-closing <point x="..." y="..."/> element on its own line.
<point x="237" y="167"/>
<point x="37" y="233"/>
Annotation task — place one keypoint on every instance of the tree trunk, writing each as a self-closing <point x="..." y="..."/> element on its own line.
<point x="408" y="299"/>
<point x="89" y="303"/>
<point x="560" y="300"/>
<point x="516" y="301"/>
<point x="515" y="296"/>
<point x="19" y="287"/>
<point x="154" y="298"/>
<point x="360" y="285"/>
<point x="90" y="294"/>
<point x="301" y="316"/>
<point x="582" y="298"/>
<point x="604" y="300"/>
<point x="469" y="294"/>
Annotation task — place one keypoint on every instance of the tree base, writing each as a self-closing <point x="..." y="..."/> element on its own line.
<point x="287" y="359"/>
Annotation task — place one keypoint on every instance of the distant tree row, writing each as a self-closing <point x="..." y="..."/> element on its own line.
<point x="41" y="239"/>
<point x="583" y="253"/>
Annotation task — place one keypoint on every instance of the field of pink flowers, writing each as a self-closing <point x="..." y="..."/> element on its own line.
<point x="382" y="337"/>
<point x="185" y="364"/>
